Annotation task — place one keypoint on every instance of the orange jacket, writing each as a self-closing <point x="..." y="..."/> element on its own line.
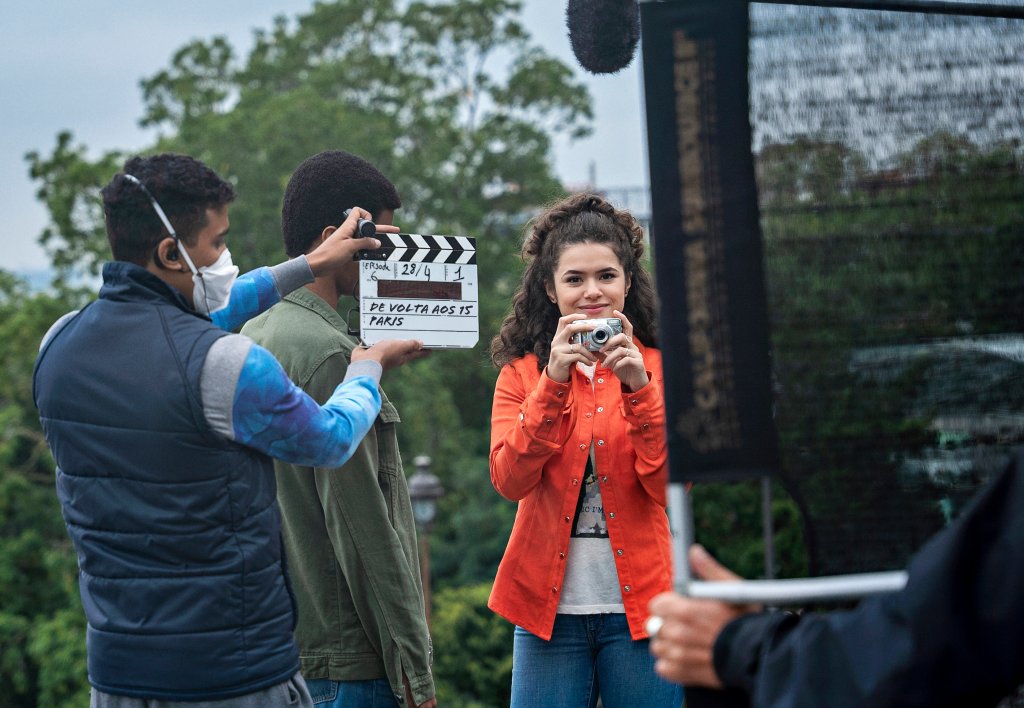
<point x="541" y="432"/>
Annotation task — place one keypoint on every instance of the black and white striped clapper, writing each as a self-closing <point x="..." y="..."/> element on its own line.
<point x="422" y="248"/>
<point x="419" y="287"/>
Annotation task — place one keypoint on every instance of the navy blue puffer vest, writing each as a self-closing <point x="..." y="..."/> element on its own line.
<point x="177" y="529"/>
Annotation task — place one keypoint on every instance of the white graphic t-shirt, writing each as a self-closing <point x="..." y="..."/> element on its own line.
<point x="591" y="583"/>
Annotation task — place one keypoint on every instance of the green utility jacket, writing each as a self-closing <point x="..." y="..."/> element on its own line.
<point x="349" y="532"/>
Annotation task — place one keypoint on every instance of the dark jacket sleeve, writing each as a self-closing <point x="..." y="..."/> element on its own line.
<point x="953" y="637"/>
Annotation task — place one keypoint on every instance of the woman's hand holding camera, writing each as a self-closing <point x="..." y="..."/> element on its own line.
<point x="565" y="351"/>
<point x="619" y="354"/>
<point x="624" y="359"/>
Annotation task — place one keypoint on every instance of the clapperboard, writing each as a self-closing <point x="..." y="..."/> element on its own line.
<point x="422" y="287"/>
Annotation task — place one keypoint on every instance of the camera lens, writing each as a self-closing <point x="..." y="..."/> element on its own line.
<point x="601" y="335"/>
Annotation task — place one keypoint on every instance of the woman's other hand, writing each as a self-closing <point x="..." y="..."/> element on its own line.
<point x="565" y="352"/>
<point x="621" y="355"/>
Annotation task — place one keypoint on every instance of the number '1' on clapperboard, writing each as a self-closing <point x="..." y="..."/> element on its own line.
<point x="418" y="286"/>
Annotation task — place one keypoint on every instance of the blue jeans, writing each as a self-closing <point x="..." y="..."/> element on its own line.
<point x="374" y="693"/>
<point x="588" y="655"/>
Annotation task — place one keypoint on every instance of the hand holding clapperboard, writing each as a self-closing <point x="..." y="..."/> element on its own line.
<point x="418" y="286"/>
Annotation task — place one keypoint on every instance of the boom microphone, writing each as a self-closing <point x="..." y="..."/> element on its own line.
<point x="603" y="33"/>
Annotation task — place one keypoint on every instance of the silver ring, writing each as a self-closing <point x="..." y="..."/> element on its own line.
<point x="653" y="626"/>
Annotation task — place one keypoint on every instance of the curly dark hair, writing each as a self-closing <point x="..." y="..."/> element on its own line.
<point x="581" y="218"/>
<point x="183" y="186"/>
<point x="322" y="188"/>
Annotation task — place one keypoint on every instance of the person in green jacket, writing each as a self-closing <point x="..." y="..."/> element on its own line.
<point x="349" y="533"/>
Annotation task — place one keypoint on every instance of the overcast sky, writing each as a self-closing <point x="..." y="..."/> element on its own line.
<point x="76" y="66"/>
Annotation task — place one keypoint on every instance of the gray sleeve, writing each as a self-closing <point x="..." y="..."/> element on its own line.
<point x="57" y="327"/>
<point x="291" y="275"/>
<point x="366" y="367"/>
<point x="219" y="379"/>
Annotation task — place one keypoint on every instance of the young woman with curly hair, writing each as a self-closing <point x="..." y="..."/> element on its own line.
<point x="577" y="438"/>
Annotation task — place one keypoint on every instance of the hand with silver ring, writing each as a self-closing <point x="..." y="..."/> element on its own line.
<point x="653" y="625"/>
<point x="562" y="359"/>
<point x="623" y="357"/>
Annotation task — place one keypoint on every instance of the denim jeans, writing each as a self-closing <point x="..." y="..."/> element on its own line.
<point x="374" y="693"/>
<point x="588" y="655"/>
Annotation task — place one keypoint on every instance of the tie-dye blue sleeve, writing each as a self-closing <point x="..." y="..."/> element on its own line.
<point x="259" y="290"/>
<point x="278" y="418"/>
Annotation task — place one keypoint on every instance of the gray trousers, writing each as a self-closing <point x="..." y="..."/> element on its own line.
<point x="291" y="694"/>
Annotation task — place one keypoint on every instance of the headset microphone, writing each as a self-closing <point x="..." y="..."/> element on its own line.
<point x="603" y="33"/>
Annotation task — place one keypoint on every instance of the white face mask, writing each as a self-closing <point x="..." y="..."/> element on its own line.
<point x="212" y="283"/>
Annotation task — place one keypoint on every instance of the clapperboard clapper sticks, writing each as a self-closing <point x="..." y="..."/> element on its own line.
<point x="418" y="286"/>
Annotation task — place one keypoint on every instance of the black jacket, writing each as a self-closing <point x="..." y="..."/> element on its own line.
<point x="953" y="637"/>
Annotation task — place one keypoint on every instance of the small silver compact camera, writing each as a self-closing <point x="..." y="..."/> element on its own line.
<point x="604" y="329"/>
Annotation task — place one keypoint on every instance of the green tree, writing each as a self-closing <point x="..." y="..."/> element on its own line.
<point x="727" y="521"/>
<point x="69" y="186"/>
<point x="420" y="89"/>
<point x="472" y="649"/>
<point x="24" y="319"/>
<point x="38" y="568"/>
<point x="42" y="629"/>
<point x="806" y="171"/>
<point x="924" y="249"/>
<point x="452" y="100"/>
<point x="449" y="99"/>
<point x="468" y="546"/>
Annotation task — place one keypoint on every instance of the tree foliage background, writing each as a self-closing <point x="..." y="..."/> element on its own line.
<point x="451" y="100"/>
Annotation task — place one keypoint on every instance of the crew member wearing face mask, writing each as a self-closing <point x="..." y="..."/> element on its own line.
<point x="162" y="424"/>
<point x="211" y="284"/>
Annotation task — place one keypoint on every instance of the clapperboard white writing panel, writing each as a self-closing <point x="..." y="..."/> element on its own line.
<point x="422" y="287"/>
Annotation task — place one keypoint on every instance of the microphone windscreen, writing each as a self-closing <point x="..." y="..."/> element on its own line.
<point x="603" y="33"/>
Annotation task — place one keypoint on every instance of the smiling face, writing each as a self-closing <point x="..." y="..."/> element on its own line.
<point x="589" y="279"/>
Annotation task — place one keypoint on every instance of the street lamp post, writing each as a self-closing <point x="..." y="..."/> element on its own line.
<point x="424" y="491"/>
